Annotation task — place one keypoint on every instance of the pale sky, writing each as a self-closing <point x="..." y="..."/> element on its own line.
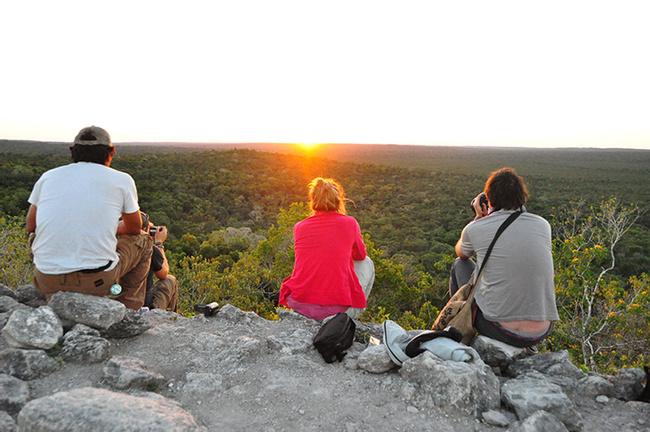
<point x="501" y="73"/>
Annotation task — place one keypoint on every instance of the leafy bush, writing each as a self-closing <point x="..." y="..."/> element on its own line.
<point x="15" y="264"/>
<point x="604" y="321"/>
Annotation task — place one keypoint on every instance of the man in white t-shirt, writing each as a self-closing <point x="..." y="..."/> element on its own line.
<point x="515" y="296"/>
<point x="75" y="214"/>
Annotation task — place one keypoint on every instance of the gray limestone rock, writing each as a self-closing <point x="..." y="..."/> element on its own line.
<point x="6" y="291"/>
<point x="242" y="348"/>
<point x="234" y="315"/>
<point x="203" y="382"/>
<point x="496" y="353"/>
<point x="93" y="311"/>
<point x="602" y="399"/>
<point x="160" y="316"/>
<point x="27" y="364"/>
<point x="14" y="394"/>
<point x="540" y="421"/>
<point x="495" y="418"/>
<point x="375" y="359"/>
<point x="83" y="344"/>
<point x="92" y="409"/>
<point x="7" y="303"/>
<point x="298" y="341"/>
<point x="289" y="315"/>
<point x="552" y="363"/>
<point x="122" y="373"/>
<point x="208" y="342"/>
<point x="529" y="394"/>
<point x="30" y="295"/>
<point x="38" y="328"/>
<point x="629" y="383"/>
<point x="7" y="423"/>
<point x="4" y="317"/>
<point x="133" y="324"/>
<point x="469" y="387"/>
<point x="595" y="385"/>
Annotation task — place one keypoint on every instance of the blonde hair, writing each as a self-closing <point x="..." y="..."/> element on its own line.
<point x="326" y="195"/>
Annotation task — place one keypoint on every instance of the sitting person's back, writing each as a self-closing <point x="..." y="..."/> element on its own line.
<point x="332" y="273"/>
<point x="515" y="296"/>
<point x="75" y="216"/>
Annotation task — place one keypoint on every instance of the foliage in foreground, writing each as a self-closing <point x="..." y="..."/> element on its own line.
<point x="605" y="319"/>
<point x="15" y="264"/>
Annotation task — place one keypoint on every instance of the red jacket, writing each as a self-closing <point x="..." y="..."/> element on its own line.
<point x="326" y="246"/>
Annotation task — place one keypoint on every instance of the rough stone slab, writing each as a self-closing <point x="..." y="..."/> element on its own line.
<point x="595" y="385"/>
<point x="123" y="373"/>
<point x="541" y="421"/>
<point x="92" y="409"/>
<point x="7" y="423"/>
<point x="241" y="349"/>
<point x="234" y="315"/>
<point x="496" y="353"/>
<point x="7" y="303"/>
<point x="299" y="341"/>
<point x="552" y="363"/>
<point x="203" y="383"/>
<point x="289" y="315"/>
<point x="495" y="418"/>
<point x="6" y="291"/>
<point x="4" y="317"/>
<point x="27" y="364"/>
<point x="14" y="394"/>
<point x="133" y="324"/>
<point x="30" y="295"/>
<point x="375" y="359"/>
<point x="93" y="311"/>
<point x="469" y="387"/>
<point x="629" y="383"/>
<point x="527" y="395"/>
<point x="38" y="328"/>
<point x="83" y="344"/>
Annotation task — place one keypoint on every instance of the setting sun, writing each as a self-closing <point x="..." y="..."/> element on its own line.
<point x="307" y="145"/>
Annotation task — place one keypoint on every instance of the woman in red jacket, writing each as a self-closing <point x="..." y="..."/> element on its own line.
<point x="332" y="272"/>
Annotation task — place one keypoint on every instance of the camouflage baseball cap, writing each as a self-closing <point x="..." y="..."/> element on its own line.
<point x="93" y="135"/>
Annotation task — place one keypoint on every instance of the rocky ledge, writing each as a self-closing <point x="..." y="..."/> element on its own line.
<point x="81" y="363"/>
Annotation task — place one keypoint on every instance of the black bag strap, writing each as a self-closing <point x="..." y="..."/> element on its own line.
<point x="501" y="229"/>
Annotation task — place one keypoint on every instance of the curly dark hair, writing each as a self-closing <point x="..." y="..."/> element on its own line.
<point x="506" y="190"/>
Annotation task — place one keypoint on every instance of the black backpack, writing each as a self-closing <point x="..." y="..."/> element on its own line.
<point x="334" y="337"/>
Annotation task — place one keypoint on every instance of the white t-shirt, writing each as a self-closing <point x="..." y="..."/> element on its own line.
<point x="517" y="283"/>
<point x="78" y="207"/>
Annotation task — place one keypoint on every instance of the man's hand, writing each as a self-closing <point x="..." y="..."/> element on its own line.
<point x="161" y="234"/>
<point x="481" y="209"/>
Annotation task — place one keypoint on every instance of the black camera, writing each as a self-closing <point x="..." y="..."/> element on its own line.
<point x="207" y="310"/>
<point x="145" y="224"/>
<point x="483" y="201"/>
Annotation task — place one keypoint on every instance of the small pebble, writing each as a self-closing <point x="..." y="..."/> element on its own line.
<point x="602" y="399"/>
